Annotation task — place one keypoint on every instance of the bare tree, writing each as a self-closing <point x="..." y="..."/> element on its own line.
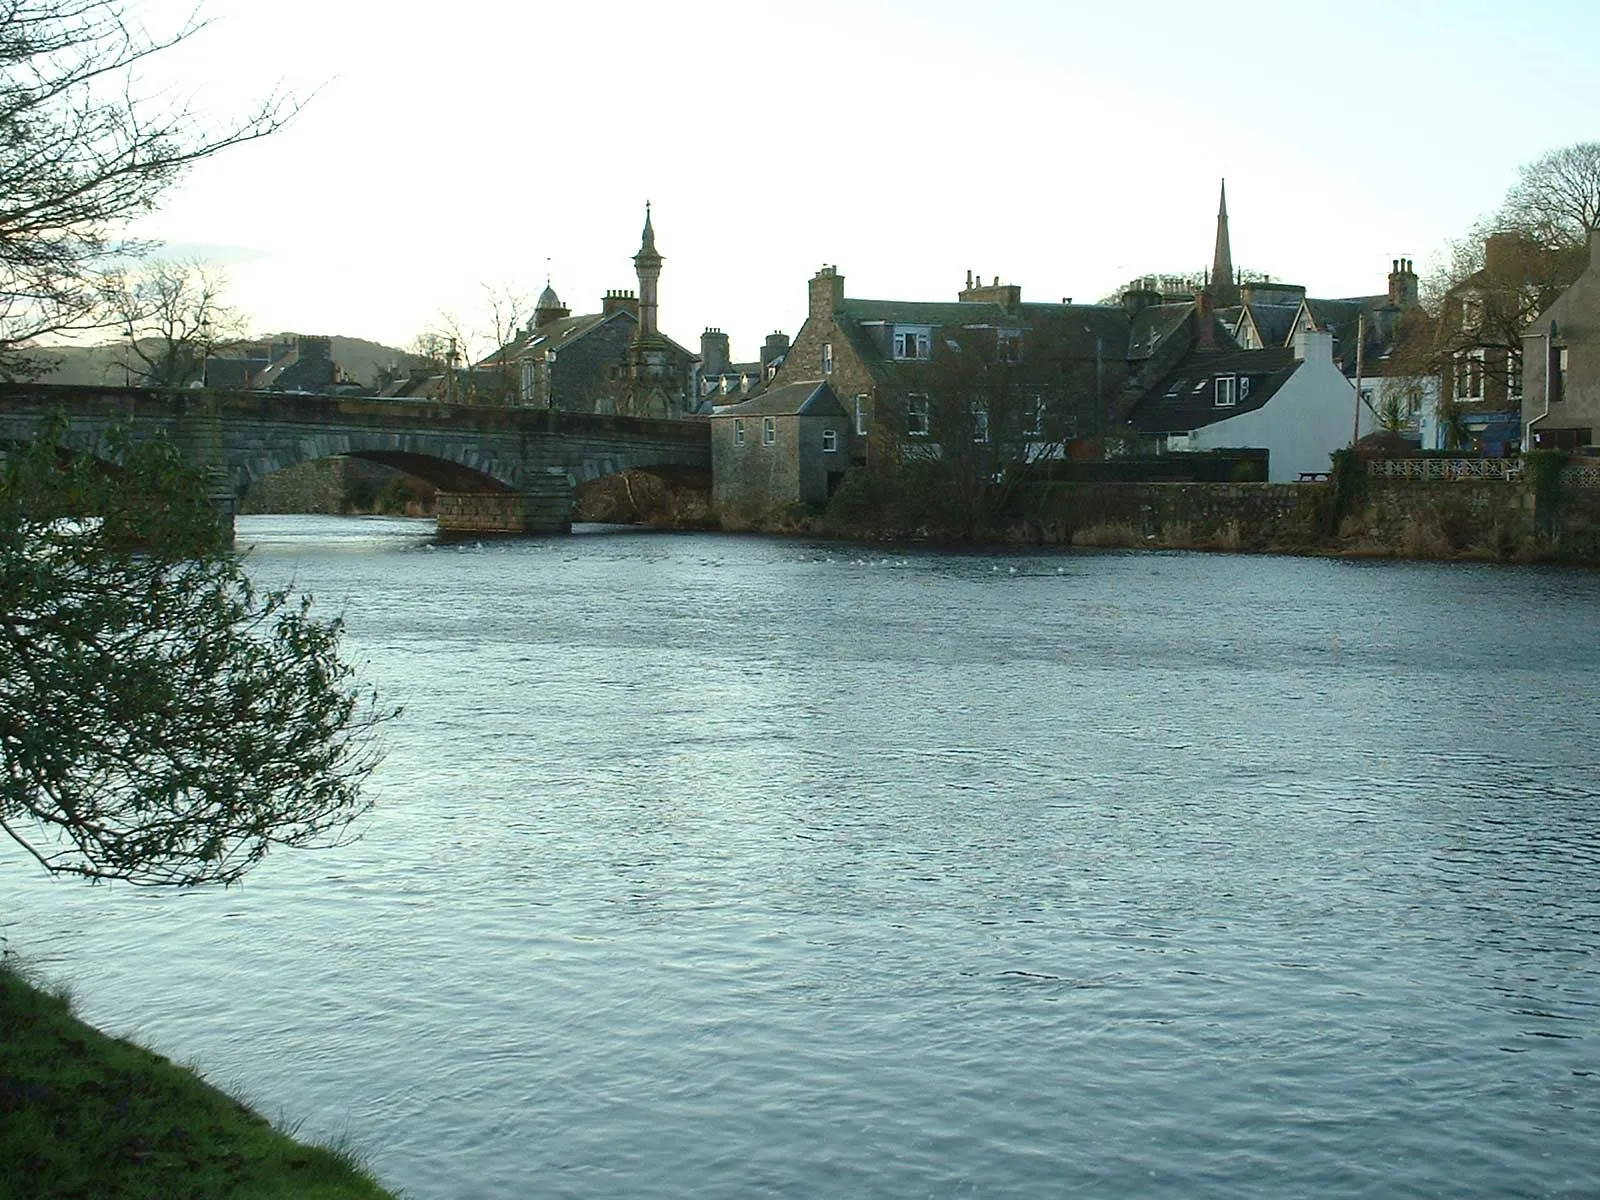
<point x="85" y="145"/>
<point x="483" y="349"/>
<point x="1556" y="198"/>
<point x="172" y="317"/>
<point x="978" y="419"/>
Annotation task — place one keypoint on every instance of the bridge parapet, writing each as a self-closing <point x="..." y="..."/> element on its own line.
<point x="516" y="453"/>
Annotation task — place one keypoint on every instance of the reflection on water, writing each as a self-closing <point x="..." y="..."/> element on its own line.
<point x="708" y="866"/>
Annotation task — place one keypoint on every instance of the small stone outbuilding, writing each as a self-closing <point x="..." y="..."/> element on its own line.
<point x="784" y="446"/>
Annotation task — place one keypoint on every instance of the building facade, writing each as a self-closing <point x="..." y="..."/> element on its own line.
<point x="1561" y="356"/>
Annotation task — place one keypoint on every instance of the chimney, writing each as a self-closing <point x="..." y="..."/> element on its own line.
<point x="1500" y="254"/>
<point x="619" y="302"/>
<point x="1205" y="334"/>
<point x="1402" y="285"/>
<point x="1008" y="296"/>
<point x="1313" y="345"/>
<point x="1136" y="300"/>
<point x="775" y="349"/>
<point x="314" y="349"/>
<point x="713" y="353"/>
<point x="827" y="292"/>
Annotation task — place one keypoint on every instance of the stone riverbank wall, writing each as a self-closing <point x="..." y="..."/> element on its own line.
<point x="1460" y="518"/>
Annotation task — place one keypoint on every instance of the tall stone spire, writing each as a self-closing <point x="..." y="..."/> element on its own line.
<point x="648" y="264"/>
<point x="1223" y="288"/>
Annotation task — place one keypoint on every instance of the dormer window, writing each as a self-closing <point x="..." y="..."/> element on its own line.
<point x="913" y="344"/>
<point x="1227" y="391"/>
<point x="1471" y="313"/>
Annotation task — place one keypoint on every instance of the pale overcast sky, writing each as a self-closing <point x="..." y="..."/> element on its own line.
<point x="1067" y="147"/>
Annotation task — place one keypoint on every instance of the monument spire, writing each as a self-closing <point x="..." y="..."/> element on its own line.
<point x="648" y="264"/>
<point x="1222" y="286"/>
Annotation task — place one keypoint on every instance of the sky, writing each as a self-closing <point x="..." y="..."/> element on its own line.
<point x="447" y="152"/>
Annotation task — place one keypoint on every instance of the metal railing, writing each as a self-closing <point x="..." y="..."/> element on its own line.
<point x="1445" y="468"/>
<point x="1581" y="474"/>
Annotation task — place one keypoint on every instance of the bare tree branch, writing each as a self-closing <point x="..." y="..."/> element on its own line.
<point x="85" y="147"/>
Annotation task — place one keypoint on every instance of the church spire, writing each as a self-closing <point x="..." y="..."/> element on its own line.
<point x="1222" y="286"/>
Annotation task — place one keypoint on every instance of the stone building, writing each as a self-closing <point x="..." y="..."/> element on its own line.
<point x="1561" y="373"/>
<point x="878" y="355"/>
<point x="614" y="361"/>
<point x="723" y="381"/>
<point x="787" y="445"/>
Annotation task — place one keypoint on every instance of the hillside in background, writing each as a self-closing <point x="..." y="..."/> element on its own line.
<point x="103" y="364"/>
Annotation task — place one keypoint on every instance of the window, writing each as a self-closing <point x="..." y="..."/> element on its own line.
<point x="1558" y="374"/>
<point x="1471" y="313"/>
<point x="1227" y="391"/>
<point x="1244" y="386"/>
<point x="830" y="441"/>
<point x="827" y="358"/>
<point x="980" y="421"/>
<point x="1177" y="386"/>
<point x="912" y="343"/>
<point x="1008" y="346"/>
<point x="1035" y="416"/>
<point x="1513" y="375"/>
<point x="861" y="415"/>
<point x="738" y="431"/>
<point x="769" y="431"/>
<point x="1468" y="370"/>
<point x="917" y="416"/>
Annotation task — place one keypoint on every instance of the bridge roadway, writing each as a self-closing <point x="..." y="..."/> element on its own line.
<point x="497" y="469"/>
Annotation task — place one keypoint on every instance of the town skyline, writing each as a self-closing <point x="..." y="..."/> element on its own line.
<point x="433" y="161"/>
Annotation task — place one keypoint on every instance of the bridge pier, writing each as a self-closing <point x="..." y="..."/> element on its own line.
<point x="197" y="431"/>
<point x="544" y="507"/>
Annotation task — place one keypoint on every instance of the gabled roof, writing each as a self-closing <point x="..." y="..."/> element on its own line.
<point x="1274" y="322"/>
<point x="1342" y="318"/>
<point x="1185" y="398"/>
<point x="1153" y="325"/>
<point x="533" y="343"/>
<point x="807" y="398"/>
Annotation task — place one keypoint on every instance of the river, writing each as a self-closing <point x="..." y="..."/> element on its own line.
<point x="714" y="867"/>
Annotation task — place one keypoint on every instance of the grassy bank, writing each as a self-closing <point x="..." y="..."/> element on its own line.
<point x="86" y="1115"/>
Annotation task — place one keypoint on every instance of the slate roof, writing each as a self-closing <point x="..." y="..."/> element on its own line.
<point x="552" y="336"/>
<point x="1153" y="325"/>
<point x="807" y="398"/>
<point x="867" y="323"/>
<point x="1340" y="317"/>
<point x="1185" y="398"/>
<point x="1274" y="322"/>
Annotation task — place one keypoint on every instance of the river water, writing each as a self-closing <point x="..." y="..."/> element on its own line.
<point x="718" y="867"/>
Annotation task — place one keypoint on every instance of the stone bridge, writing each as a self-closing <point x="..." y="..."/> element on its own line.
<point x="497" y="469"/>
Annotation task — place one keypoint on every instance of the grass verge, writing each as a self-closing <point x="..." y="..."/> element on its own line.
<point x="86" y="1115"/>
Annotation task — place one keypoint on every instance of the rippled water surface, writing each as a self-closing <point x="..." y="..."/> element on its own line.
<point x="715" y="867"/>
